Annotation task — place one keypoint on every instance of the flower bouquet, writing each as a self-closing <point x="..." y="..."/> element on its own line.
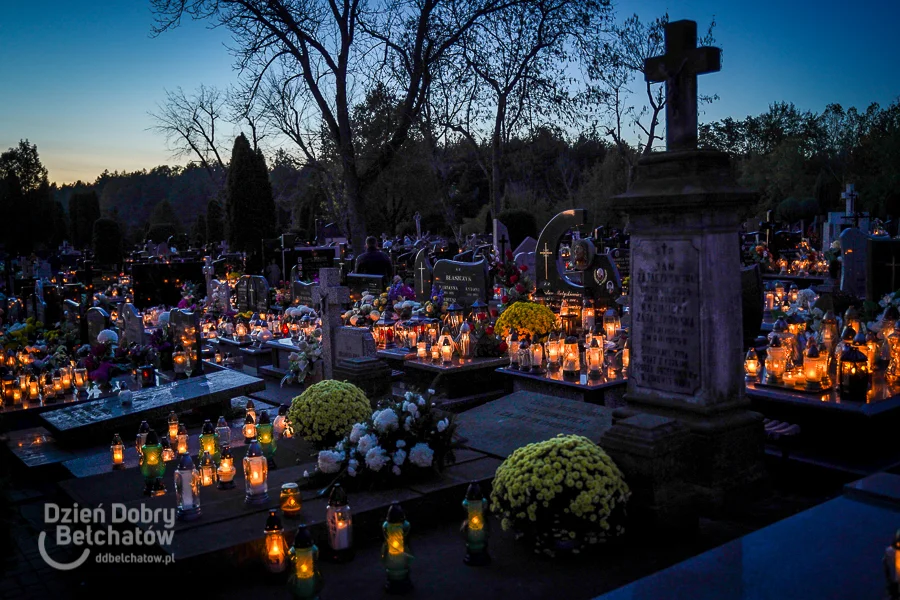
<point x="562" y="494"/>
<point x="188" y="292"/>
<point x="513" y="280"/>
<point x="303" y="362"/>
<point x="400" y="440"/>
<point x="363" y="312"/>
<point x="487" y="343"/>
<point x="435" y="307"/>
<point x="530" y="318"/>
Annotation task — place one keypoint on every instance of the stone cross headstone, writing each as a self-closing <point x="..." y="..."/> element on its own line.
<point x="329" y="298"/>
<point x="679" y="68"/>
<point x="882" y="268"/>
<point x="422" y="274"/>
<point x="686" y="336"/>
<point x="501" y="237"/>
<point x="132" y="326"/>
<point x="854" y="247"/>
<point x="461" y="282"/>
<point x="97" y="321"/>
<point x="209" y="273"/>
<point x="186" y="332"/>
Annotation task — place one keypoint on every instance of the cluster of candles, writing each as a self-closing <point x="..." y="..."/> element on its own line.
<point x="782" y="298"/>
<point x="567" y="353"/>
<point x="23" y="386"/>
<point x="215" y="462"/>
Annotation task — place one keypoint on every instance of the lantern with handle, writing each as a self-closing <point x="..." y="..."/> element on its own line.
<point x="225" y="471"/>
<point x="153" y="468"/>
<point x="209" y="440"/>
<point x="853" y="375"/>
<point x="117" y="450"/>
<point x="751" y="365"/>
<point x="815" y="367"/>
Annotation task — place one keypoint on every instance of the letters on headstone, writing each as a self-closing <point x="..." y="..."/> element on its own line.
<point x="854" y="246"/>
<point x="422" y="274"/>
<point x="882" y="268"/>
<point x="362" y="284"/>
<point x="666" y="318"/>
<point x="621" y="257"/>
<point x="97" y="321"/>
<point x="309" y="261"/>
<point x="463" y="283"/>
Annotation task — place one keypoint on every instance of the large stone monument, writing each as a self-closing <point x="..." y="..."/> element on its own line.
<point x="686" y="285"/>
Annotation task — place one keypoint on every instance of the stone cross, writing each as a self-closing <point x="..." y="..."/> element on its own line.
<point x="679" y="68"/>
<point x="330" y="297"/>
<point x="546" y="253"/>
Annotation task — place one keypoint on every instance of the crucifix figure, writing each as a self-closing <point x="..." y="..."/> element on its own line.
<point x="546" y="254"/>
<point x="679" y="68"/>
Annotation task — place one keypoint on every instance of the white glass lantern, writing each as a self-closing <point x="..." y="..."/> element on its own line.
<point x="256" y="471"/>
<point x="571" y="359"/>
<point x="512" y="343"/>
<point x="611" y="323"/>
<point x="225" y="471"/>
<point x="182" y="440"/>
<point x="207" y="470"/>
<point x="339" y="520"/>
<point x="249" y="429"/>
<point x="594" y="355"/>
<point x="173" y="427"/>
<point x="464" y="341"/>
<point x="224" y="432"/>
<point x="187" y="489"/>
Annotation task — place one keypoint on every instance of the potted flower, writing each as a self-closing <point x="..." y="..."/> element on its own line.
<point x="304" y="362"/>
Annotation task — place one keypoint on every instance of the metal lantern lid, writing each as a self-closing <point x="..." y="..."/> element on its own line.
<point x="184" y="462"/>
<point x="851" y="314"/>
<point x="250" y="404"/>
<point x="164" y="442"/>
<point x="871" y="337"/>
<point x="152" y="439"/>
<point x="473" y="492"/>
<point x="812" y="350"/>
<point x="852" y="355"/>
<point x="571" y="340"/>
<point x="303" y="538"/>
<point x="338" y="496"/>
<point x="207" y="460"/>
<point x="829" y="318"/>
<point x="273" y="522"/>
<point x="253" y="450"/>
<point x="479" y="306"/>
<point x="465" y="327"/>
<point x="860" y="339"/>
<point x="752" y="355"/>
<point x="207" y="427"/>
<point x="794" y="287"/>
<point x="780" y="325"/>
<point x="182" y="430"/>
<point x="848" y="334"/>
<point x="144" y="428"/>
<point x="455" y="308"/>
<point x="117" y="439"/>
<point x="264" y="418"/>
<point x="226" y="452"/>
<point x="248" y="420"/>
<point x="395" y="513"/>
<point x="553" y="336"/>
<point x="775" y="342"/>
<point x="513" y="334"/>
<point x="282" y="410"/>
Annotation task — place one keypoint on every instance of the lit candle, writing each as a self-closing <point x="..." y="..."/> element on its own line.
<point x="275" y="552"/>
<point x="435" y="353"/>
<point x="446" y="352"/>
<point x="117" y="449"/>
<point x="421" y="351"/>
<point x="182" y="439"/>
<point x="290" y="500"/>
<point x="17" y="395"/>
<point x="33" y="390"/>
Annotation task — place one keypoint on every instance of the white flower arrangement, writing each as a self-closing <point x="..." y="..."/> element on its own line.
<point x="330" y="461"/>
<point x="385" y="420"/>
<point x="357" y="432"/>
<point x="376" y="458"/>
<point x="421" y="455"/>
<point x="366" y="443"/>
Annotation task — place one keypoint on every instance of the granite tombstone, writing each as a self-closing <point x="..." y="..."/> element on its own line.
<point x="462" y="282"/>
<point x="186" y="333"/>
<point x="301" y="293"/>
<point x="132" y="326"/>
<point x="423" y="277"/>
<point x="252" y="294"/>
<point x="97" y="321"/>
<point x="882" y="268"/>
<point x="854" y="247"/>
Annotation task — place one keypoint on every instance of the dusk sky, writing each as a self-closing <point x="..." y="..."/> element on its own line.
<point x="78" y="78"/>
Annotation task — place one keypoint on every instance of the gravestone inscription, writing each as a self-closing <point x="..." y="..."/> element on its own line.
<point x="362" y="284"/>
<point x="302" y="293"/>
<point x="461" y="282"/>
<point x="501" y="426"/>
<point x="353" y="342"/>
<point x="667" y="288"/>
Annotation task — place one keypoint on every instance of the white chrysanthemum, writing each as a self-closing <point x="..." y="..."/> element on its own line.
<point x="357" y="432"/>
<point x="376" y="458"/>
<point x="442" y="425"/>
<point x="421" y="455"/>
<point x="330" y="461"/>
<point x="385" y="420"/>
<point x="407" y="423"/>
<point x="399" y="457"/>
<point x="396" y="470"/>
<point x="351" y="471"/>
<point x="409" y="396"/>
<point x="108" y="335"/>
<point x="366" y="443"/>
<point x="421" y="401"/>
<point x="411" y="408"/>
<point x="401" y="443"/>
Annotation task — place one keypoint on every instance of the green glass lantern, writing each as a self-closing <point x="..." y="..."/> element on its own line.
<point x="265" y="435"/>
<point x="153" y="467"/>
<point x="395" y="551"/>
<point x="187" y="489"/>
<point x="209" y="441"/>
<point x="476" y="528"/>
<point x="305" y="580"/>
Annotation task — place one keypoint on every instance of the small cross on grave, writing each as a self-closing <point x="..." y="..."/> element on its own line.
<point x="422" y="270"/>
<point x="849" y="196"/>
<point x="893" y="265"/>
<point x="679" y="68"/>
<point x="546" y="254"/>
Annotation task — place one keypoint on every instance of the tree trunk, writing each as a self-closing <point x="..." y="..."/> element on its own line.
<point x="497" y="157"/>
<point x="355" y="209"/>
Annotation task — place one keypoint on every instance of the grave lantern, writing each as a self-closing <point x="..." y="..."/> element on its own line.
<point x="893" y="346"/>
<point x="853" y="375"/>
<point x="383" y="331"/>
<point x="256" y="470"/>
<point x="846" y="342"/>
<point x="512" y="342"/>
<point x="16" y="395"/>
<point x="525" y="355"/>
<point x="294" y="330"/>
<point x="223" y="430"/>
<point x="446" y="352"/>
<point x="553" y="352"/>
<point x="419" y="324"/>
<point x="289" y="499"/>
<point x="433" y="329"/>
<point x="476" y="532"/>
<point x="117" y="450"/>
<point x="179" y="360"/>
<point x="611" y="323"/>
<point x="288" y="428"/>
<point x="588" y="320"/>
<point x="307" y="326"/>
<point x="455" y="314"/>
<point x="793" y="293"/>
<point x="218" y="357"/>
<point x="187" y="489"/>
<point x="480" y="311"/>
<point x="141" y="438"/>
<point x="278" y="423"/>
<point x="33" y="389"/>
<point x="421" y="350"/>
<point x="152" y="465"/>
<point x="394" y="553"/>
<point x="626" y="355"/>
<point x="276" y="554"/>
<point x="168" y="454"/>
<point x="173" y="426"/>
<point x="852" y="319"/>
<point x="751" y="365"/>
<point x="207" y="470"/>
<point x="815" y="365"/>
<point x="571" y="362"/>
<point x="776" y="360"/>
<point x="770" y="300"/>
<point x="209" y="440"/>
<point x="23" y="383"/>
<point x="249" y="429"/>
<point x="829" y="331"/>
<point x="446" y="336"/>
<point x="265" y="435"/>
<point x="225" y="471"/>
<point x="888" y="319"/>
<point x="569" y="321"/>
<point x="871" y="350"/>
<point x="796" y="324"/>
<point x="251" y="409"/>
<point x="891" y="564"/>
<point x="779" y="293"/>
<point x="464" y="342"/>
<point x="339" y="520"/>
<point x="66" y="378"/>
<point x="182" y="440"/>
<point x="305" y="580"/>
<point x="435" y="353"/>
<point x="240" y="330"/>
<point x="594" y="355"/>
<point x="537" y="357"/>
<point x="148" y="376"/>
